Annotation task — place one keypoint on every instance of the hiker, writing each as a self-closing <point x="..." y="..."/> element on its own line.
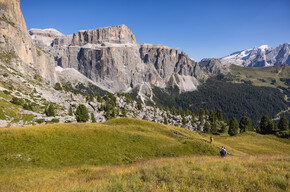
<point x="210" y="139"/>
<point x="223" y="151"/>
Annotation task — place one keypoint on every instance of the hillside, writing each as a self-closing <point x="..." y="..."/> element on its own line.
<point x="251" y="92"/>
<point x="91" y="157"/>
<point x="117" y="141"/>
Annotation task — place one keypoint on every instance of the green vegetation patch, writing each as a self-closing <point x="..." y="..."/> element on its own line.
<point x="119" y="141"/>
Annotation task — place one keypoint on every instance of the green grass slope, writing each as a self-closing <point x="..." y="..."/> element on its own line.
<point x="118" y="141"/>
<point x="263" y="76"/>
<point x="136" y="155"/>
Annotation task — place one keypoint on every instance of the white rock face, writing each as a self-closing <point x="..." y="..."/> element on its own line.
<point x="112" y="59"/>
<point x="17" y="44"/>
<point x="44" y="37"/>
<point x="260" y="57"/>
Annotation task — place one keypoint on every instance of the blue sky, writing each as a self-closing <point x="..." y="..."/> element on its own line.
<point x="203" y="29"/>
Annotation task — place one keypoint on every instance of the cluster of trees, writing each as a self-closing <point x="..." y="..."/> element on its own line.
<point x="266" y="126"/>
<point x="235" y="100"/>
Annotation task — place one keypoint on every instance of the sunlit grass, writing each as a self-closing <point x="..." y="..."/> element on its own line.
<point x="239" y="173"/>
<point x="135" y="155"/>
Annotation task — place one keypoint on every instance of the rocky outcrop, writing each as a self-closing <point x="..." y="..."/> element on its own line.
<point x="260" y="57"/>
<point x="111" y="57"/>
<point x="11" y="9"/>
<point x="17" y="48"/>
<point x="119" y="34"/>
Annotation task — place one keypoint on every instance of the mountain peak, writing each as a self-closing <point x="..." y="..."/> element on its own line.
<point x="119" y="34"/>
<point x="260" y="56"/>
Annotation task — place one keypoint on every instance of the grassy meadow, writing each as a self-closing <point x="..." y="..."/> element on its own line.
<point x="262" y="76"/>
<point x="135" y="155"/>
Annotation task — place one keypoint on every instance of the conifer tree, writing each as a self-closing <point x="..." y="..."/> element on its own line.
<point x="212" y="116"/>
<point x="50" y="111"/>
<point x="93" y="119"/>
<point x="173" y="110"/>
<point x="139" y="105"/>
<point x="213" y="129"/>
<point x="206" y="127"/>
<point x="183" y="121"/>
<point x="82" y="114"/>
<point x="124" y="112"/>
<point x="283" y="124"/>
<point x="219" y="115"/>
<point x="193" y="117"/>
<point x="234" y="127"/>
<point x="165" y="120"/>
<point x="245" y="124"/>
<point x="264" y="125"/>
<point x="70" y="111"/>
<point x="198" y="127"/>
<point x="99" y="98"/>
<point x="224" y="128"/>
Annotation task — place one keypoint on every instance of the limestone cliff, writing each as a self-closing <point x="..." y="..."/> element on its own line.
<point x="111" y="57"/>
<point x="17" y="48"/>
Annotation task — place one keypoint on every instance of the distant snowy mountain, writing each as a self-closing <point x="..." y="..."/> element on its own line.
<point x="260" y="56"/>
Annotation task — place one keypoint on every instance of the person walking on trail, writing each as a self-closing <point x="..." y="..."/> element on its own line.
<point x="223" y="151"/>
<point x="210" y="139"/>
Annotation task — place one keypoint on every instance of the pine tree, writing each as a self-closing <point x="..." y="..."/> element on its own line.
<point x="264" y="125"/>
<point x="219" y="115"/>
<point x="212" y="116"/>
<point x="124" y="112"/>
<point x="245" y="124"/>
<point x="224" y="128"/>
<point x="193" y="117"/>
<point x="213" y="129"/>
<point x="183" y="121"/>
<point x="70" y="111"/>
<point x="201" y="116"/>
<point x="173" y="110"/>
<point x="50" y="111"/>
<point x="270" y="127"/>
<point x="198" y="127"/>
<point x="187" y="112"/>
<point x="283" y="124"/>
<point x="107" y="115"/>
<point x="93" y="119"/>
<point x="165" y="120"/>
<point x="139" y="105"/>
<point x="99" y="98"/>
<point x="206" y="127"/>
<point x="234" y="127"/>
<point x="82" y="114"/>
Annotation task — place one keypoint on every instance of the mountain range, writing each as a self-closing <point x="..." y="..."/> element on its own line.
<point x="110" y="60"/>
<point x="263" y="56"/>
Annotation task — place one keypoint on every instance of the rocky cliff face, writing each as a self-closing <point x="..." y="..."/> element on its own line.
<point x="17" y="48"/>
<point x="260" y="57"/>
<point x="111" y="57"/>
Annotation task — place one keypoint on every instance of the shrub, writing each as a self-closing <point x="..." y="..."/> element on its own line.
<point x="58" y="86"/>
<point x="17" y="101"/>
<point x="40" y="121"/>
<point x="55" y="120"/>
<point x="2" y="115"/>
